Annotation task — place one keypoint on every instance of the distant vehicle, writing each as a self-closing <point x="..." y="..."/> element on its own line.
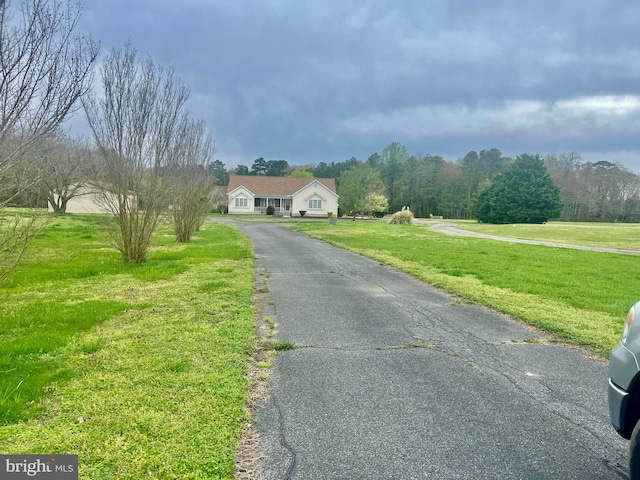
<point x="624" y="388"/>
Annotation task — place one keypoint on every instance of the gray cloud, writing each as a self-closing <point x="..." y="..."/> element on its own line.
<point x="322" y="81"/>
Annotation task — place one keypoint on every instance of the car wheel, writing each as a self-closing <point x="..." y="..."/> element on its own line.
<point x="634" y="453"/>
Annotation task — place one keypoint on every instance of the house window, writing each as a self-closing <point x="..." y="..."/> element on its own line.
<point x="241" y="202"/>
<point x="315" y="204"/>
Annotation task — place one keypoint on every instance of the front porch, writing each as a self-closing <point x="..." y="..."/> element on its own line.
<point x="281" y="206"/>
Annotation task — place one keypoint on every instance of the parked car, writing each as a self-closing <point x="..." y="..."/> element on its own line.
<point x="624" y="388"/>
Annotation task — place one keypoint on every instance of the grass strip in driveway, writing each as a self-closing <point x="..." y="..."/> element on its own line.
<point x="158" y="389"/>
<point x="580" y="297"/>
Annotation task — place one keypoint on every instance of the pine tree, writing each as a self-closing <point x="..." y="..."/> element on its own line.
<point x="523" y="193"/>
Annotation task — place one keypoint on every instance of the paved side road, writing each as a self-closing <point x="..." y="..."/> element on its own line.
<point x="452" y="229"/>
<point x="393" y="379"/>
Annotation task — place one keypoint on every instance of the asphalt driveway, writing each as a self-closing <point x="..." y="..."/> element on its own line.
<point x="393" y="379"/>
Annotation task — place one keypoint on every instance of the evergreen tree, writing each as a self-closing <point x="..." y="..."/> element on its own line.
<point x="334" y="170"/>
<point x="242" y="170"/>
<point x="277" y="168"/>
<point x="219" y="172"/>
<point x="259" y="167"/>
<point x="523" y="193"/>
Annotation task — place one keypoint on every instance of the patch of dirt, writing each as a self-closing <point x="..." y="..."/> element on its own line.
<point x="250" y="451"/>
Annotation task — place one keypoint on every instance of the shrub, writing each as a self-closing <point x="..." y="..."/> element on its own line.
<point x="329" y="214"/>
<point x="271" y="210"/>
<point x="379" y="214"/>
<point x="403" y="217"/>
<point x="302" y="212"/>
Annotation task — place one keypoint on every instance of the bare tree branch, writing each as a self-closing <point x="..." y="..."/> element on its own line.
<point x="45" y="67"/>
<point x="63" y="167"/>
<point x="190" y="178"/>
<point x="134" y="123"/>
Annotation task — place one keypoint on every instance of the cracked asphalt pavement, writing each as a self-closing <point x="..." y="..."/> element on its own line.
<point x="393" y="379"/>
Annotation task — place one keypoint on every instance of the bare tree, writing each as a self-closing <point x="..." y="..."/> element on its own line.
<point x="44" y="69"/>
<point x="600" y="191"/>
<point x="219" y="198"/>
<point x="62" y="165"/>
<point x="190" y="178"/>
<point x="134" y="124"/>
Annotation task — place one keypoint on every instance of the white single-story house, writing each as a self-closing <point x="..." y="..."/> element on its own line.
<point x="86" y="199"/>
<point x="287" y="195"/>
<point x="90" y="197"/>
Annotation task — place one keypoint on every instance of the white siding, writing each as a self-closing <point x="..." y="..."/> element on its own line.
<point x="241" y="200"/>
<point x="86" y="202"/>
<point x="313" y="193"/>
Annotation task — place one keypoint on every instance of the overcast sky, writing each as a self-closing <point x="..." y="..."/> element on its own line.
<point x="311" y="81"/>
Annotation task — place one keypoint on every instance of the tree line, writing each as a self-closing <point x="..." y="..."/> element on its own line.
<point x="430" y="185"/>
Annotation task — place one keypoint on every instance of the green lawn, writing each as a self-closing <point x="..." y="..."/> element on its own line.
<point x="141" y="369"/>
<point x="610" y="235"/>
<point x="580" y="297"/>
<point x="138" y="369"/>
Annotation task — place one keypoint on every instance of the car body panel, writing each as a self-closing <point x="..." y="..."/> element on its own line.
<point x="617" y="406"/>
<point x="623" y="372"/>
<point x="623" y="366"/>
